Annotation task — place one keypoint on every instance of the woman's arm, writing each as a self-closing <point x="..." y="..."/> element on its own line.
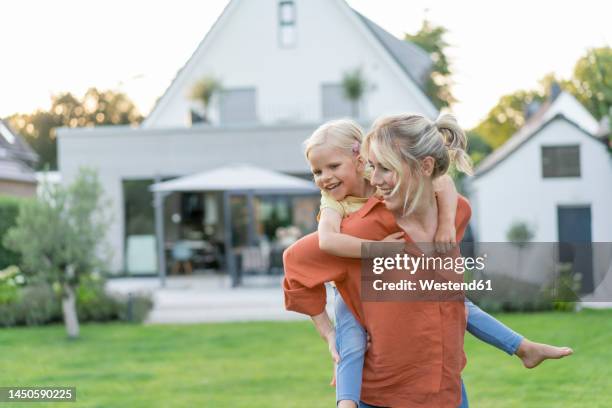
<point x="446" y="195"/>
<point x="332" y="241"/>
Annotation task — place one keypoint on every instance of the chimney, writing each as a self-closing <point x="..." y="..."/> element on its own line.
<point x="530" y="109"/>
<point x="555" y="90"/>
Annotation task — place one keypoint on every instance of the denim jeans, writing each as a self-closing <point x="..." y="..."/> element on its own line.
<point x="485" y="327"/>
<point x="351" y="344"/>
<point x="464" y="400"/>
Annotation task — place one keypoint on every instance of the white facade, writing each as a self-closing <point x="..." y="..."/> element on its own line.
<point x="514" y="190"/>
<point x="243" y="51"/>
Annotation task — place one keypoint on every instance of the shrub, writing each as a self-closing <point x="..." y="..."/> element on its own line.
<point x="9" y="210"/>
<point x="40" y="304"/>
<point x="135" y="307"/>
<point x="509" y="294"/>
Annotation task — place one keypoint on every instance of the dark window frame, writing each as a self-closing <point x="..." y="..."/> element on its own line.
<point x="557" y="161"/>
<point x="287" y="24"/>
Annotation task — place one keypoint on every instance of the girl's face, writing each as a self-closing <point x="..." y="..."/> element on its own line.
<point x="335" y="171"/>
<point x="385" y="180"/>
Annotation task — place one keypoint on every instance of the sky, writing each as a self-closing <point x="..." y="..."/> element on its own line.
<point x="496" y="47"/>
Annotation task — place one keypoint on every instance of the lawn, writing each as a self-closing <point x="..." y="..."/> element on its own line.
<point x="284" y="365"/>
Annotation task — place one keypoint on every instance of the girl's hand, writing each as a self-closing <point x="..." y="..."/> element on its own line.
<point x="395" y="237"/>
<point x="445" y="238"/>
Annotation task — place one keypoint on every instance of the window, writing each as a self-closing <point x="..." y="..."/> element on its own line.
<point x="335" y="103"/>
<point x="237" y="106"/>
<point x="286" y="24"/>
<point x="560" y="161"/>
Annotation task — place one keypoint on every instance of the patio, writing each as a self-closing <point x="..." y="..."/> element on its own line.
<point x="211" y="298"/>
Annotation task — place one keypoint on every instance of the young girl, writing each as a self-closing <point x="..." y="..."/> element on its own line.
<point x="333" y="152"/>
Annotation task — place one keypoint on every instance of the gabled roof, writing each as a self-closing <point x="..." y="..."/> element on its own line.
<point x="415" y="61"/>
<point x="565" y="107"/>
<point x="15" y="146"/>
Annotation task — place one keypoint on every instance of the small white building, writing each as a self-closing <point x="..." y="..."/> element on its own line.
<point x="555" y="176"/>
<point x="281" y="64"/>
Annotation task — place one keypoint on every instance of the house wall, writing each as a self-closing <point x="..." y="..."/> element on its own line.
<point x="120" y="153"/>
<point x="243" y="51"/>
<point x="18" y="189"/>
<point x="514" y="189"/>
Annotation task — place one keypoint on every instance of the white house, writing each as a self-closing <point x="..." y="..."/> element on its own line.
<point x="554" y="175"/>
<point x="280" y="63"/>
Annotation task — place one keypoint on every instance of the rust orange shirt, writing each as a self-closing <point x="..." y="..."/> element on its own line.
<point x="416" y="355"/>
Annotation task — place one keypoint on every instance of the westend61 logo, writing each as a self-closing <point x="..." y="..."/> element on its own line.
<point x="412" y="264"/>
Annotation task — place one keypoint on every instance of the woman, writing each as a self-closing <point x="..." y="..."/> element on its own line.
<point x="416" y="354"/>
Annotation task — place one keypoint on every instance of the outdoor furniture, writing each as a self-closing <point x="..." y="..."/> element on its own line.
<point x="181" y="256"/>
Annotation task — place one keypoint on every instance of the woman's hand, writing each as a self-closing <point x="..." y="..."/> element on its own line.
<point x="445" y="238"/>
<point x="395" y="237"/>
<point x="331" y="345"/>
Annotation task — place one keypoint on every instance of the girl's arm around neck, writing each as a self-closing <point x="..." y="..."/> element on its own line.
<point x="332" y="241"/>
<point x="446" y="196"/>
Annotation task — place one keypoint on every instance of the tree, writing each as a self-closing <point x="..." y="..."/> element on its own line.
<point x="478" y="148"/>
<point x="431" y="39"/>
<point x="354" y="85"/>
<point x="95" y="108"/>
<point x="59" y="237"/>
<point x="506" y="117"/>
<point x="203" y="91"/>
<point x="591" y="83"/>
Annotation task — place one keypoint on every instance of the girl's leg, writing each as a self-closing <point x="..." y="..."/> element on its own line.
<point x="490" y="330"/>
<point x="351" y="345"/>
<point x="464" y="398"/>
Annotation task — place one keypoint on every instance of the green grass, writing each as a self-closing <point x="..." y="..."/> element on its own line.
<point x="284" y="365"/>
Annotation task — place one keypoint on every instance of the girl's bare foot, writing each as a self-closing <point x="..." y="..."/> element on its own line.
<point x="532" y="354"/>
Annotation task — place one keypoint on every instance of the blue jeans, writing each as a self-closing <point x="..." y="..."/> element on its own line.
<point x="464" y="400"/>
<point x="351" y="344"/>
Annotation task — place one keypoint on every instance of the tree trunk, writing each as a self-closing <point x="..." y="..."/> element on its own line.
<point x="71" y="320"/>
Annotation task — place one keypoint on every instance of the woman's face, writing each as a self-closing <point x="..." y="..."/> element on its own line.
<point x="385" y="180"/>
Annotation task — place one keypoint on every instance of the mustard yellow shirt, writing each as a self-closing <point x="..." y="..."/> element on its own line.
<point x="344" y="207"/>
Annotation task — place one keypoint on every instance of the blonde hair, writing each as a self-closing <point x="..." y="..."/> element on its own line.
<point x="409" y="138"/>
<point x="343" y="133"/>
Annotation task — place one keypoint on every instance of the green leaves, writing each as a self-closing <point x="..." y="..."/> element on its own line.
<point x="431" y="39"/>
<point x="59" y="234"/>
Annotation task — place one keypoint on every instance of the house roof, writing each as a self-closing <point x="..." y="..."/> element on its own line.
<point x="15" y="146"/>
<point x="238" y="177"/>
<point x="415" y="61"/>
<point x="565" y="107"/>
<point x="412" y="59"/>
<point x="16" y="157"/>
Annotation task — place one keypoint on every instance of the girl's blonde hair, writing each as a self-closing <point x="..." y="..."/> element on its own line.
<point x="343" y="133"/>
<point x="409" y="138"/>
